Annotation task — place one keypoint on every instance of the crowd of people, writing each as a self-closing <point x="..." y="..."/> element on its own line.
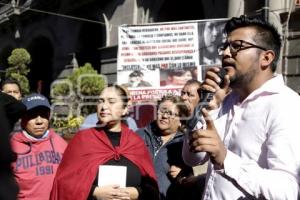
<point x="246" y="135"/>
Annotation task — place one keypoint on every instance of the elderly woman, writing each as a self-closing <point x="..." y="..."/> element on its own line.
<point x="38" y="149"/>
<point x="164" y="140"/>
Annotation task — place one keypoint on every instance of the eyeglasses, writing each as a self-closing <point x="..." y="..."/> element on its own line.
<point x="237" y="45"/>
<point x="167" y="113"/>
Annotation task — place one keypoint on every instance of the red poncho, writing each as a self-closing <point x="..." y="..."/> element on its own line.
<point x="89" y="149"/>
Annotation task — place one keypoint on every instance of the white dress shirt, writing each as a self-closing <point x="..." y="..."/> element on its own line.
<point x="262" y="137"/>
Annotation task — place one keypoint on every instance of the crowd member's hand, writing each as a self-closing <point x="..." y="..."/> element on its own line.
<point x="212" y="83"/>
<point x="132" y="192"/>
<point x="174" y="171"/>
<point x="111" y="192"/>
<point x="209" y="141"/>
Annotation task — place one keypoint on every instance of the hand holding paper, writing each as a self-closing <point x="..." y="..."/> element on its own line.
<point x="111" y="192"/>
<point x="110" y="174"/>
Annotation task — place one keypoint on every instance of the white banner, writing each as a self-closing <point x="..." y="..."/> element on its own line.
<point x="156" y="59"/>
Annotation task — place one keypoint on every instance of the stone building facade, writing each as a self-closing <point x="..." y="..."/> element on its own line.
<point x="53" y="30"/>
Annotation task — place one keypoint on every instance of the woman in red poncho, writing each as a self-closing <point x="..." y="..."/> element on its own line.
<point x="112" y="143"/>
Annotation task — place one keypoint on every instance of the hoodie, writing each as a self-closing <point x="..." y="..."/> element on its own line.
<point x="36" y="164"/>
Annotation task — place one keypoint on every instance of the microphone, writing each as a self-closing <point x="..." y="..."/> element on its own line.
<point x="205" y="98"/>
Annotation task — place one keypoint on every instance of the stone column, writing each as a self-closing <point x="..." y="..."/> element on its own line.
<point x="277" y="7"/>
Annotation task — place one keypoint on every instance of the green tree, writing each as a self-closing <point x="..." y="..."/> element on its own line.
<point x="18" y="68"/>
<point x="79" y="90"/>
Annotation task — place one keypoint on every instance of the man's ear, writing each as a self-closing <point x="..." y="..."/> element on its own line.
<point x="267" y="58"/>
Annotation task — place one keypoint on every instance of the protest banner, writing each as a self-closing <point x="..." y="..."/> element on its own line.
<point x="157" y="59"/>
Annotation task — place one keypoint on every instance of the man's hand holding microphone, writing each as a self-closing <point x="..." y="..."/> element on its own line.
<point x="216" y="83"/>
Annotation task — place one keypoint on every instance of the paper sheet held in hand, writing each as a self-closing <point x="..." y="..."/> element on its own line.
<point x="111" y="174"/>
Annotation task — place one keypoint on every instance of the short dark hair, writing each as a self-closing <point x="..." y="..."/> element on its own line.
<point x="195" y="82"/>
<point x="11" y="81"/>
<point x="267" y="35"/>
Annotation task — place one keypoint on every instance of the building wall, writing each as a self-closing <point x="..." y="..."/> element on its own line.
<point x="52" y="39"/>
<point x="149" y="11"/>
<point x="291" y="51"/>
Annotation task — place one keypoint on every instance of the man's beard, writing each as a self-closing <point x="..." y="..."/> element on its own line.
<point x="241" y="80"/>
